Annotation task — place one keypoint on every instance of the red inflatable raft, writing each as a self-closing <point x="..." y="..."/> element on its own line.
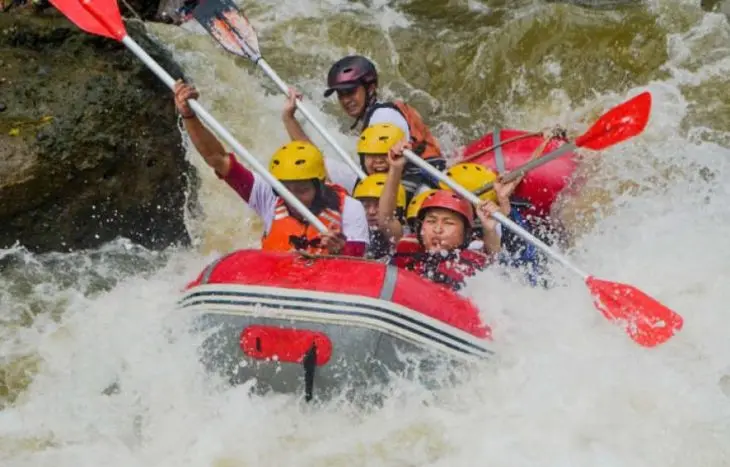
<point x="505" y="150"/>
<point x="299" y="323"/>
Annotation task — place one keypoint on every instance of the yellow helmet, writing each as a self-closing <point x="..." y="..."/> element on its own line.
<point x="379" y="138"/>
<point x="472" y="177"/>
<point x="415" y="204"/>
<point x="372" y="187"/>
<point x="298" y="160"/>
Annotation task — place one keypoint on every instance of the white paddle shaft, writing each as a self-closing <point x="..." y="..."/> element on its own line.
<point x="222" y="133"/>
<point x="308" y="115"/>
<point x="504" y="220"/>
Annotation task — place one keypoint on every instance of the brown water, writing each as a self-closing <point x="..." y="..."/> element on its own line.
<point x="568" y="389"/>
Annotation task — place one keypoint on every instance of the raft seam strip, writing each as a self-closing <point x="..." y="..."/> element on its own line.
<point x="498" y="154"/>
<point x="391" y="276"/>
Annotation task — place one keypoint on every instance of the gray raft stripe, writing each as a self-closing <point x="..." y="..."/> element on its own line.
<point x="338" y="301"/>
<point x="232" y="307"/>
<point x="404" y="316"/>
<point x="335" y="302"/>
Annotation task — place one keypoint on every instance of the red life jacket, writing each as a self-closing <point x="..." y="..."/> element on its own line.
<point x="450" y="269"/>
<point x="406" y="250"/>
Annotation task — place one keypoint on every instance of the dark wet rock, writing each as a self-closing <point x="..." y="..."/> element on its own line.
<point x="175" y="11"/>
<point x="147" y="10"/>
<point x="89" y="149"/>
<point x="155" y="10"/>
<point x="716" y="6"/>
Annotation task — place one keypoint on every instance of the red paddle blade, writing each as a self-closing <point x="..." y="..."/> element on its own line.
<point x="618" y="124"/>
<point x="225" y="22"/>
<point x="647" y="321"/>
<point x="100" y="17"/>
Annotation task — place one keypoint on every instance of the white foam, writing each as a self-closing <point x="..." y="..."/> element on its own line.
<point x="568" y="387"/>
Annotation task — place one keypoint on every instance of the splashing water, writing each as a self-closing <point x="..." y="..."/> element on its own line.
<point x="100" y="369"/>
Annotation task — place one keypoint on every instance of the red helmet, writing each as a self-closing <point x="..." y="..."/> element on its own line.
<point x="448" y="200"/>
<point x="349" y="73"/>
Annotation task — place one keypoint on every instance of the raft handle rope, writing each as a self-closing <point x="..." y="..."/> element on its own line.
<point x="306" y="255"/>
<point x="555" y="133"/>
<point x="499" y="145"/>
<point x="309" y="362"/>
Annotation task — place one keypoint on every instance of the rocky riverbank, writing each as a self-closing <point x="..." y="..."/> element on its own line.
<point x="89" y="145"/>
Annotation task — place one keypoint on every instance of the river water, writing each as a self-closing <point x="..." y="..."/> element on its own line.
<point x="97" y="368"/>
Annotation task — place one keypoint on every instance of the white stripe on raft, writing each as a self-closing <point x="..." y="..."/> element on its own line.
<point x="389" y="317"/>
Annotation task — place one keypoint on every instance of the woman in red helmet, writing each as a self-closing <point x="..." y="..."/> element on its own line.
<point x="440" y="250"/>
<point x="355" y="80"/>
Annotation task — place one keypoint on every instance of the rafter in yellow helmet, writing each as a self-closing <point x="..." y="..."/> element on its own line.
<point x="298" y="160"/>
<point x="379" y="138"/>
<point x="472" y="177"/>
<point x="415" y="204"/>
<point x="372" y="187"/>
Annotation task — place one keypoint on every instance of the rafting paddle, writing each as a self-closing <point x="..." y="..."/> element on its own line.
<point x="230" y="27"/>
<point x="646" y="321"/>
<point x="102" y="17"/>
<point x="622" y="122"/>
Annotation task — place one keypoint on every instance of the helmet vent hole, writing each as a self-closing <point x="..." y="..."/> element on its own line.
<point x="300" y="162"/>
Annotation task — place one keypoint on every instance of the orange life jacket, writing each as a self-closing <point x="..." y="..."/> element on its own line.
<point x="450" y="269"/>
<point x="287" y="233"/>
<point x="423" y="142"/>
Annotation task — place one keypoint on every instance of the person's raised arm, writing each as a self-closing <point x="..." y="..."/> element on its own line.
<point x="387" y="221"/>
<point x="205" y="142"/>
<point x="492" y="239"/>
<point x="295" y="130"/>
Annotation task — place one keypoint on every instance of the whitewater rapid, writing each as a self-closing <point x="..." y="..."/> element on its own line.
<point x="108" y="374"/>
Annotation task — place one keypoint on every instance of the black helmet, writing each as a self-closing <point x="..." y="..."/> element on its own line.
<point x="350" y="72"/>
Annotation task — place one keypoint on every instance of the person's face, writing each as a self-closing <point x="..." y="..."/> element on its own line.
<point x="442" y="230"/>
<point x="303" y="190"/>
<point x="353" y="100"/>
<point x="375" y="163"/>
<point x="371" y="206"/>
